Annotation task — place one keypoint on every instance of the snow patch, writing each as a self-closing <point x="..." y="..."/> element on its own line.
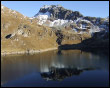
<point x="50" y="6"/>
<point x="58" y="22"/>
<point x="74" y="29"/>
<point x="42" y="17"/>
<point x="2" y="7"/>
<point x="94" y="29"/>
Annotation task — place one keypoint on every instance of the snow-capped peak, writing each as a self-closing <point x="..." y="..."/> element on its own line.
<point x="46" y="6"/>
<point x="42" y="17"/>
<point x="57" y="16"/>
<point x="50" y="6"/>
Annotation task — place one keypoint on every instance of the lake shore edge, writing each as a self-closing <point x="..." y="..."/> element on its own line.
<point x="28" y="52"/>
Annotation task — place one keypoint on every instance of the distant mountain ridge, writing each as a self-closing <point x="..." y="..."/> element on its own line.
<point x="59" y="12"/>
<point x="56" y="15"/>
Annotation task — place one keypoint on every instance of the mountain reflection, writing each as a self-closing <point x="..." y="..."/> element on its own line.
<point x="52" y="65"/>
<point x="61" y="73"/>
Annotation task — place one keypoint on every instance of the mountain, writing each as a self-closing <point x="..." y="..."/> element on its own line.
<point x="68" y="23"/>
<point x="59" y="12"/>
<point x="19" y="35"/>
<point x="51" y="27"/>
<point x="56" y="15"/>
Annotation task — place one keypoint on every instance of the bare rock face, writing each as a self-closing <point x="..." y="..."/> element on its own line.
<point x="101" y="22"/>
<point x="58" y="12"/>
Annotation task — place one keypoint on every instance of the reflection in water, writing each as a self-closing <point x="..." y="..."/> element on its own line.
<point x="59" y="52"/>
<point x="52" y="65"/>
<point x="61" y="73"/>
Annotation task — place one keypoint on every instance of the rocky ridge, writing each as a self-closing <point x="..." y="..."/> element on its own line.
<point x="58" y="16"/>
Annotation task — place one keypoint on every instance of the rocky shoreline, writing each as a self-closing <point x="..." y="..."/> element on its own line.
<point x="28" y="52"/>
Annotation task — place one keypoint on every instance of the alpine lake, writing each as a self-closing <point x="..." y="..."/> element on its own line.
<point x="65" y="68"/>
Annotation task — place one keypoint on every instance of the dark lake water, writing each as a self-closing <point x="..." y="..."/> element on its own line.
<point x="70" y="68"/>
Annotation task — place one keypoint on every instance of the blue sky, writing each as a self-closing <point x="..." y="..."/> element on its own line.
<point x="87" y="8"/>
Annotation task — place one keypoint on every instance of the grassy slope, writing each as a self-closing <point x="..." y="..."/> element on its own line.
<point x="39" y="37"/>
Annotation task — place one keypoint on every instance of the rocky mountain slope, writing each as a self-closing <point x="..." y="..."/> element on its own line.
<point x="51" y="26"/>
<point x="58" y="16"/>
<point x="73" y="27"/>
<point x="19" y="35"/>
